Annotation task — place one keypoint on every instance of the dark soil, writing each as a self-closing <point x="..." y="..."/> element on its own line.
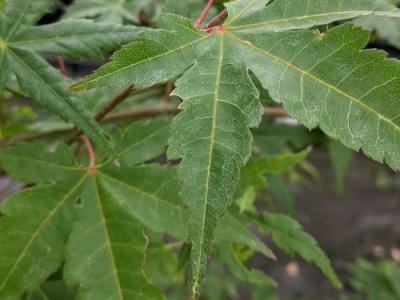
<point x="363" y="222"/>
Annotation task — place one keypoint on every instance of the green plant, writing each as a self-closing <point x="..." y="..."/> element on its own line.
<point x="120" y="204"/>
<point x="376" y="280"/>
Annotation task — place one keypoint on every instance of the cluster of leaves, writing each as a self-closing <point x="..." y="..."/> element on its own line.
<point x="375" y="280"/>
<point x="97" y="223"/>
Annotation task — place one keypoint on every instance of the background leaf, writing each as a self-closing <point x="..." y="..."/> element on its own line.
<point x="142" y="141"/>
<point x="341" y="158"/>
<point x="290" y="237"/>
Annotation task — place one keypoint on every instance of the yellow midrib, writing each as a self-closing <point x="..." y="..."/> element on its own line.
<point x="107" y="238"/>
<point x="85" y="82"/>
<point x="299" y="18"/>
<point x="320" y="81"/>
<point x="210" y="157"/>
<point x="243" y="11"/>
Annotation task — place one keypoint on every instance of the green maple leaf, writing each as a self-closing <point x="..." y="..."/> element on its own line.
<point x="110" y="209"/>
<point x="35" y="241"/>
<point x="320" y="79"/>
<point x="21" y="42"/>
<point x="109" y="10"/>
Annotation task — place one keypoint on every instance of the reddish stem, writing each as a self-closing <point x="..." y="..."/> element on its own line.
<point x="203" y="14"/>
<point x="105" y="110"/>
<point x="61" y="63"/>
<point x="114" y="103"/>
<point x="90" y="151"/>
<point x="275" y="112"/>
<point x="214" y="21"/>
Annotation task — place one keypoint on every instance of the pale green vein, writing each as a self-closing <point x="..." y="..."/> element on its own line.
<point x="56" y="38"/>
<point x="107" y="237"/>
<point x="318" y="80"/>
<point x="140" y="142"/>
<point x="141" y="192"/>
<point x="203" y="37"/>
<point x="39" y="229"/>
<point x="243" y="11"/>
<point x="48" y="163"/>
<point x="300" y="18"/>
<point x="17" y="24"/>
<point x="196" y="283"/>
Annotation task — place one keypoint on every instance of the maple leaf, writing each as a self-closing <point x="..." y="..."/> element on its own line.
<point x="110" y="208"/>
<point x="21" y="41"/>
<point x="34" y="246"/>
<point x="320" y="79"/>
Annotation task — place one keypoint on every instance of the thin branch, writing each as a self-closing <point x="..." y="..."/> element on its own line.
<point x="159" y="110"/>
<point x="61" y="63"/>
<point x="114" y="103"/>
<point x="90" y="151"/>
<point x="146" y="21"/>
<point x="275" y="112"/>
<point x="215" y="21"/>
<point x="163" y="109"/>
<point x="169" y="87"/>
<point x="204" y="14"/>
<point x="167" y="109"/>
<point x="15" y="92"/>
<point x="105" y="110"/>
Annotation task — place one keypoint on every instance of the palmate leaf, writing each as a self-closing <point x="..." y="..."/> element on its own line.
<point x="33" y="247"/>
<point x="112" y="205"/>
<point x="19" y="40"/>
<point x="321" y="80"/>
